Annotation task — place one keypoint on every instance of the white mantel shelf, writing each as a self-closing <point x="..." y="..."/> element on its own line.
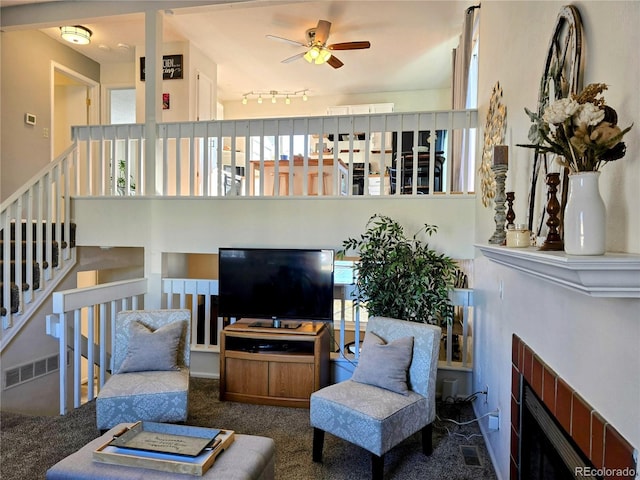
<point x="615" y="275"/>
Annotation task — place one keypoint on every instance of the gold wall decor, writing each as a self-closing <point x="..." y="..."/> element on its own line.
<point x="493" y="135"/>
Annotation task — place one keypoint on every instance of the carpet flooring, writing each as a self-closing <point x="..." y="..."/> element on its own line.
<point x="29" y="445"/>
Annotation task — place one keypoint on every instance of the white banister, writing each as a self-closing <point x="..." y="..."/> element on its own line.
<point x="105" y="301"/>
<point x="38" y="215"/>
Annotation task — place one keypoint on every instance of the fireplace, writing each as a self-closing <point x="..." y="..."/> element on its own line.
<point x="555" y="433"/>
<point x="546" y="451"/>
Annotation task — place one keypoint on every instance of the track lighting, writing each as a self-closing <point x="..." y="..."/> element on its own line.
<point x="274" y="94"/>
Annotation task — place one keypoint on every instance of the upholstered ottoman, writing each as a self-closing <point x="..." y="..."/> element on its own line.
<point x="248" y="458"/>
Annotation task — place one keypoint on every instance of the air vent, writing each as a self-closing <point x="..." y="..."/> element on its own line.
<point x="30" y="371"/>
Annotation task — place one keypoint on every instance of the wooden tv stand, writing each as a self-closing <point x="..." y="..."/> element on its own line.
<point x="273" y="366"/>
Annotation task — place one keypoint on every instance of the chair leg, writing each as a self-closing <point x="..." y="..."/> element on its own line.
<point x="377" y="467"/>
<point x="318" y="442"/>
<point x="427" y="440"/>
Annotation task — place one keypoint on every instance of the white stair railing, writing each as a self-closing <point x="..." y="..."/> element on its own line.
<point x="38" y="215"/>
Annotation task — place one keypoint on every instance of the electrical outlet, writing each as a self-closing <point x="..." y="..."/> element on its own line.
<point x="494" y="420"/>
<point x="486" y="394"/>
<point x="45" y="133"/>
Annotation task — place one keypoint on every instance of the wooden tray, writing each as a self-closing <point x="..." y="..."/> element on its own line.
<point x="166" y="462"/>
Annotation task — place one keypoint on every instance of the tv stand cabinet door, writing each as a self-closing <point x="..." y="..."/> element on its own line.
<point x="291" y="380"/>
<point x="246" y="377"/>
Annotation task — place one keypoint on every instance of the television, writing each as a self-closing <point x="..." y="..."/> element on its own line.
<point x="278" y="284"/>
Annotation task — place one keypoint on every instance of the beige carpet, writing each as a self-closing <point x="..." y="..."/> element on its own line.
<point x="30" y="445"/>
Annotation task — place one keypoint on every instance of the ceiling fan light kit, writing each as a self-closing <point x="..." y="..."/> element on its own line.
<point x="318" y="52"/>
<point x="76" y="34"/>
<point x="317" y="55"/>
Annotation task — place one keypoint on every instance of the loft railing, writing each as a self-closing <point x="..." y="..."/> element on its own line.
<point x="93" y="310"/>
<point x="333" y="155"/>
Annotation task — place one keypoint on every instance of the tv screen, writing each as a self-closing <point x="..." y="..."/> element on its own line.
<point x="276" y="283"/>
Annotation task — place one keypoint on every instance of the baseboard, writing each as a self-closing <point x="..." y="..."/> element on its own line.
<point x="492" y="457"/>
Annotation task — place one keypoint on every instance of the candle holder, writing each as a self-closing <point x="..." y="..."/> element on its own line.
<point x="500" y="174"/>
<point x="511" y="215"/>
<point x="554" y="240"/>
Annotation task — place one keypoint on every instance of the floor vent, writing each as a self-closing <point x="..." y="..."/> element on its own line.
<point x="470" y="455"/>
<point x="30" y="371"/>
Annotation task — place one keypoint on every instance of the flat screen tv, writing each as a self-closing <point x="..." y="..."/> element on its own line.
<point x="276" y="283"/>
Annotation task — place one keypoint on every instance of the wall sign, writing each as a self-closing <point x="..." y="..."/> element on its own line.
<point x="171" y="67"/>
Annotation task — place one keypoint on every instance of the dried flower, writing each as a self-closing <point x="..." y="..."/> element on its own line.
<point x="582" y="130"/>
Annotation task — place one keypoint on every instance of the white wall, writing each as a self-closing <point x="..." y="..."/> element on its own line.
<point x="593" y="343"/>
<point x="195" y="225"/>
<point x="27" y="88"/>
<point x="410" y="101"/>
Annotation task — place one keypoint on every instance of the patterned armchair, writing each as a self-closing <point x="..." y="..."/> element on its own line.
<point x="375" y="418"/>
<point x="150" y="369"/>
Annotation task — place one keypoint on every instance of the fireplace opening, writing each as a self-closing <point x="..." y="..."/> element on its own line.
<point x="546" y="451"/>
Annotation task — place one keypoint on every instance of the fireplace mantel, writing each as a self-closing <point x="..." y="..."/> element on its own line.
<point x="615" y="275"/>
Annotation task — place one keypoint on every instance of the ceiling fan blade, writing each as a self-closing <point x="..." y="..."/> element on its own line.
<point x="286" y="40"/>
<point x="349" y="46"/>
<point x="295" y="57"/>
<point x="335" y="62"/>
<point x="322" y="31"/>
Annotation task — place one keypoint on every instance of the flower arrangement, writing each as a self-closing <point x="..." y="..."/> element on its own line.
<point x="581" y="129"/>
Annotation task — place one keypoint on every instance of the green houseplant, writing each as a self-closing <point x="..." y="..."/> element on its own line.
<point x="121" y="181"/>
<point x="401" y="277"/>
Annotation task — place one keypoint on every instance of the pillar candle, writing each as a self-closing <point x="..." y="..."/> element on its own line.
<point x="500" y="155"/>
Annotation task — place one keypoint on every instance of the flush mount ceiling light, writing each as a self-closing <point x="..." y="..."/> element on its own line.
<point x="76" y="34"/>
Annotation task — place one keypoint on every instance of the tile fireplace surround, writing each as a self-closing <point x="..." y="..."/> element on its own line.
<point x="607" y="450"/>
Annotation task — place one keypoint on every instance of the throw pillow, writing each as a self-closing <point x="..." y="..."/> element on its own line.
<point x="152" y="350"/>
<point x="384" y="365"/>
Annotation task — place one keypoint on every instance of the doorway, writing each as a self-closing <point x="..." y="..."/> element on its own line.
<point x="74" y="102"/>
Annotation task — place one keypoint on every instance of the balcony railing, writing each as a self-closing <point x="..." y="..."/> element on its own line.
<point x="332" y="156"/>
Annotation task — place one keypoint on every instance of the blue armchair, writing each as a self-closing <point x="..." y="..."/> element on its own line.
<point x="375" y="418"/>
<point x="150" y="369"/>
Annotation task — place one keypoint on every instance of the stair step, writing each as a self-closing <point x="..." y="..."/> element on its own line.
<point x="35" y="275"/>
<point x="72" y="229"/>
<point x="28" y="250"/>
<point x="15" y="301"/>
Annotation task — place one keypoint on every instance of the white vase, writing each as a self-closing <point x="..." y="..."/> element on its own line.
<point x="584" y="216"/>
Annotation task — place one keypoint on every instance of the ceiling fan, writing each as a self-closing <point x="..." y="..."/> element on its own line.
<point x="318" y="51"/>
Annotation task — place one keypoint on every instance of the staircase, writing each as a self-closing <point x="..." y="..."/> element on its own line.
<point x="30" y="252"/>
<point x="37" y="243"/>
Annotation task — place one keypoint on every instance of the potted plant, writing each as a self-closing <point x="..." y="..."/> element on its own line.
<point x="121" y="181"/>
<point x="401" y="277"/>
